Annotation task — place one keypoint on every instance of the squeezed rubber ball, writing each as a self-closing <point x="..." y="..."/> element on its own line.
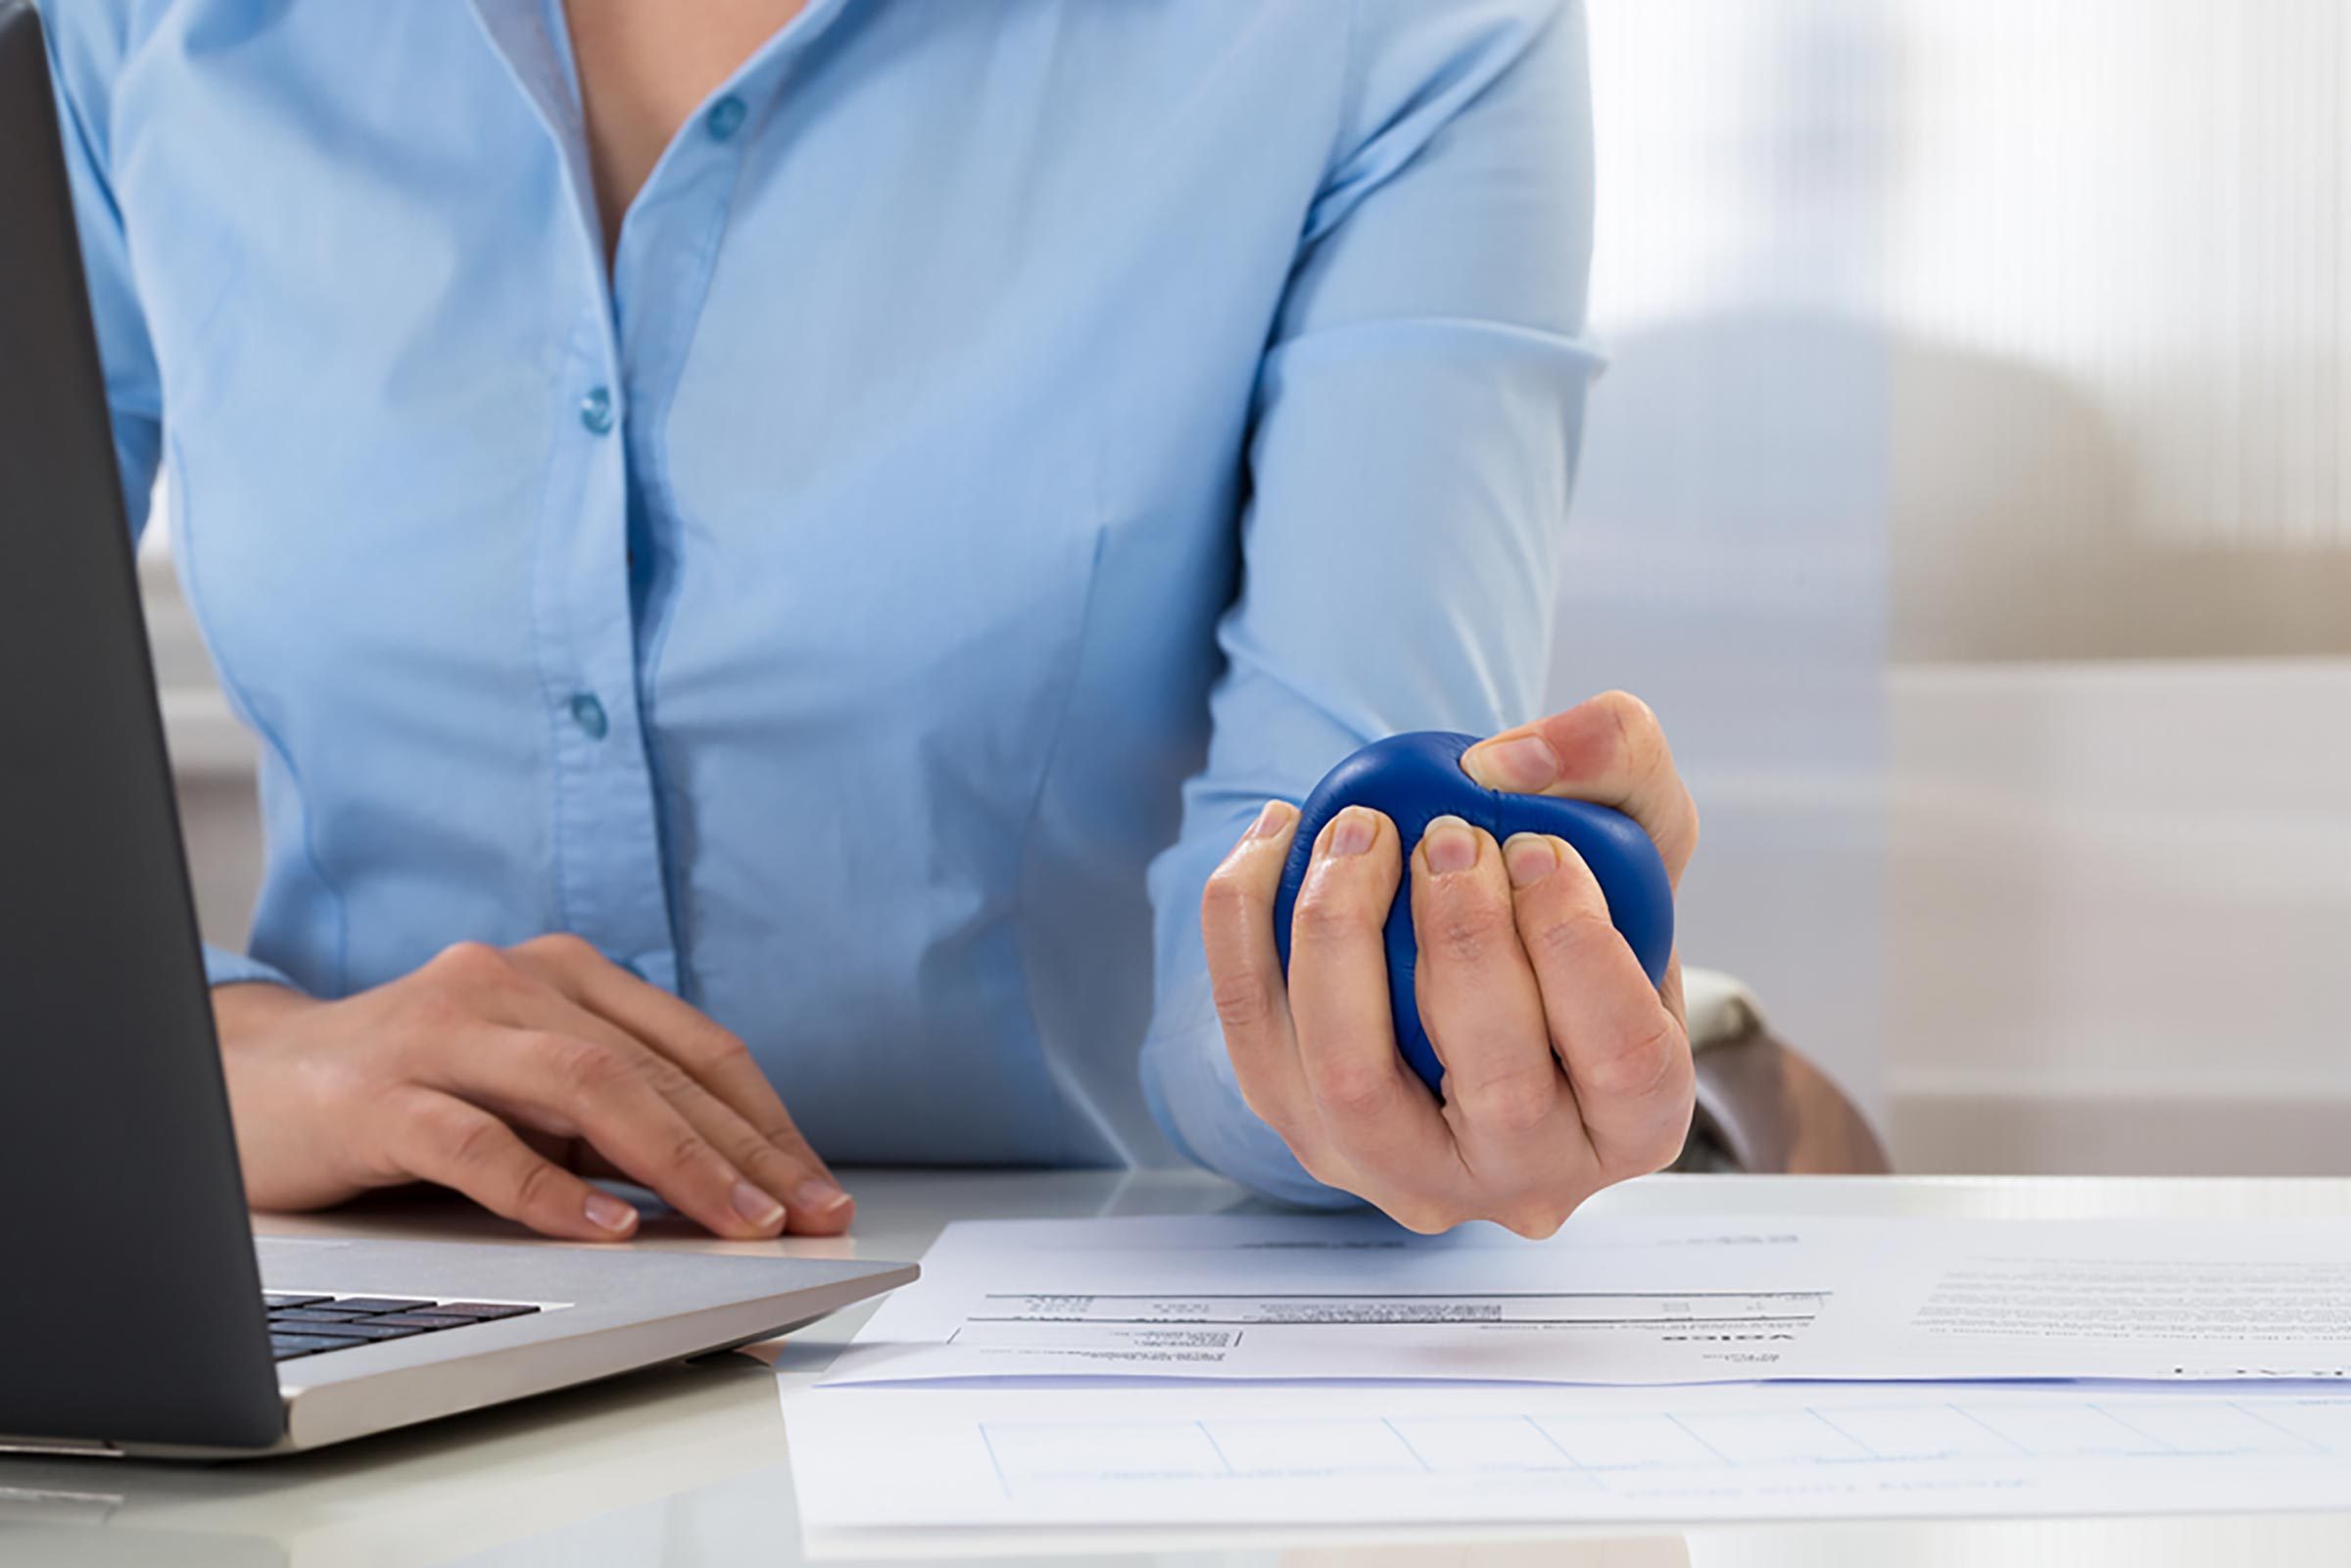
<point x="1416" y="778"/>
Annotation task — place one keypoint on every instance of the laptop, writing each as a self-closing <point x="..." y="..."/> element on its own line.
<point x="138" y="1313"/>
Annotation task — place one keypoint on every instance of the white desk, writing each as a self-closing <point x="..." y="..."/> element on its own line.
<point x="687" y="1466"/>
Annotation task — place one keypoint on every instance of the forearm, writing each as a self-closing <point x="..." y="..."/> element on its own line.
<point x="1418" y="422"/>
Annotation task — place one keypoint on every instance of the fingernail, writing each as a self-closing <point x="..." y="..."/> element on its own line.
<point x="758" y="1207"/>
<point x="1351" y="834"/>
<point x="1271" y="819"/>
<point x="608" y="1212"/>
<point x="818" y="1198"/>
<point x="1450" y="846"/>
<point x="1525" y="764"/>
<point x="1530" y="858"/>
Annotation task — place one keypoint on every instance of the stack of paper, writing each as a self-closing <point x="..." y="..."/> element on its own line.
<point x="1243" y="1370"/>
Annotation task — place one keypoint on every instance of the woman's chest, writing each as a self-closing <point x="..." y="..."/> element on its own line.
<point x="940" y="306"/>
<point x="641" y="71"/>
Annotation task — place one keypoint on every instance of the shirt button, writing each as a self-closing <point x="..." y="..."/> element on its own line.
<point x="589" y="715"/>
<point x="726" y="117"/>
<point x="595" y="411"/>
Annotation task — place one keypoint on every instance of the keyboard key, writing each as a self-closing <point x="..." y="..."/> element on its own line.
<point x="286" y="1299"/>
<point x="359" y="1328"/>
<point x="423" y="1320"/>
<point x="481" y="1311"/>
<point x="381" y="1304"/>
<point x="313" y="1314"/>
<point x="285" y="1347"/>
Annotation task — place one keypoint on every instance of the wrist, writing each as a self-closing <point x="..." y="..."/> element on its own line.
<point x="239" y="1005"/>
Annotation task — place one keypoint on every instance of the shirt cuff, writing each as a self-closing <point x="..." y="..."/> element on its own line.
<point x="224" y="968"/>
<point x="1189" y="1086"/>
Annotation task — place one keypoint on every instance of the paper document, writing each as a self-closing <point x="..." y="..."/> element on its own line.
<point x="1346" y="1296"/>
<point x="1231" y="1453"/>
<point x="1620" y="1301"/>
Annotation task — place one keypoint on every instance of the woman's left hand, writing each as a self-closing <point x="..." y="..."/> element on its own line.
<point x="1566" y="1070"/>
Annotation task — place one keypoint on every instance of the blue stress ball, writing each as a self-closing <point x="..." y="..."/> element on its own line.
<point x="1416" y="778"/>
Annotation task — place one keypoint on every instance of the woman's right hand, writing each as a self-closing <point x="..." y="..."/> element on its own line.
<point x="510" y="1073"/>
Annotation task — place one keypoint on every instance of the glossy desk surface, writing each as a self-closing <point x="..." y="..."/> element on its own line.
<point x="687" y="1466"/>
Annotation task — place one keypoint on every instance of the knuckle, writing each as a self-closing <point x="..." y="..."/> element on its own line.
<point x="1666" y="1149"/>
<point x="1355" y="1091"/>
<point x="1227" y="902"/>
<point x="724" y="1046"/>
<point x="1470" y="926"/>
<point x="591" y="1069"/>
<point x="688" y="1151"/>
<point x="1426" y="1216"/>
<point x="1327" y="912"/>
<point x="665" y="1078"/>
<point x="1517" y="1101"/>
<point x="561" y="948"/>
<point x="1652" y="1065"/>
<point x="703" y="1050"/>
<point x="1639" y="738"/>
<point x="755" y="1155"/>
<point x="1539" y="1218"/>
<point x="475" y="1143"/>
<point x="1243" y="1001"/>
<point x="1653" y="1148"/>
<point x="1322" y="1164"/>
<point x="537" y="1187"/>
<point x="1636" y="721"/>
<point x="436" y="1008"/>
<point x="471" y="965"/>
<point x="1643" y="1153"/>
<point x="698" y="1053"/>
<point x="1571" y="933"/>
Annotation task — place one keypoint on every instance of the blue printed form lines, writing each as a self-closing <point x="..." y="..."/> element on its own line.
<point x="1584" y="1453"/>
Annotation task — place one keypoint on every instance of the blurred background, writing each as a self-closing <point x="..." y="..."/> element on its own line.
<point x="1968" y="491"/>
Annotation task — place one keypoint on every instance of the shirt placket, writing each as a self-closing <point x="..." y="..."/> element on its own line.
<point x="605" y="869"/>
<point x="662" y="276"/>
<point x="620" y="364"/>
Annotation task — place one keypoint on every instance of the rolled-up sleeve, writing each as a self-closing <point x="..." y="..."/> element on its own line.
<point x="1418" y="422"/>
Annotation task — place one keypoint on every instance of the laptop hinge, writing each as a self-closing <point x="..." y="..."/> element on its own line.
<point x="74" y="1448"/>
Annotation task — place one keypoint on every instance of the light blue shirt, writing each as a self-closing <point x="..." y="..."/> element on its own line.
<point x="1016" y="438"/>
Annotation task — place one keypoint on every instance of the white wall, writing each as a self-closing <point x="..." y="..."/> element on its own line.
<point x="1970" y="494"/>
<point x="2119" y="902"/>
<point x="2099" y="253"/>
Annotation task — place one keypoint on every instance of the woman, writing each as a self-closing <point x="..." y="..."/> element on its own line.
<point x="771" y="546"/>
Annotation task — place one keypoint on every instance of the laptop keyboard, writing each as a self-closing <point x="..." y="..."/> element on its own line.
<point x="306" y="1325"/>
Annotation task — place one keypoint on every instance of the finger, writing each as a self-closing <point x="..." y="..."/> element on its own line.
<point x="1669" y="991"/>
<point x="1626" y="1055"/>
<point x="776" y="1156"/>
<point x="596" y="1086"/>
<point x="1503" y="1090"/>
<point x="1244" y="971"/>
<point x="464" y="1147"/>
<point x="559" y="1061"/>
<point x="1610" y="751"/>
<point x="1376" y="1115"/>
